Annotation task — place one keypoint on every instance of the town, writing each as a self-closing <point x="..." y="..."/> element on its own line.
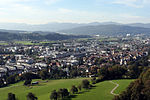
<point x="84" y="55"/>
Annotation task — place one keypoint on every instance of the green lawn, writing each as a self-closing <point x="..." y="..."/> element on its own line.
<point x="42" y="91"/>
<point x="123" y="84"/>
<point x="24" y="42"/>
<point x="4" y="43"/>
<point x="101" y="91"/>
<point x="30" y="42"/>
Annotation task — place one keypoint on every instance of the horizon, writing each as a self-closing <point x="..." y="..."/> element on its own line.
<point x="113" y="23"/>
<point x="74" y="11"/>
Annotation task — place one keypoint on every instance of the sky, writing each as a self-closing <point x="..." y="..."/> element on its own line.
<point x="74" y="11"/>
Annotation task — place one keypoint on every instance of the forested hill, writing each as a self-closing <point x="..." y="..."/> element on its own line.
<point x="5" y="36"/>
<point x="108" y="30"/>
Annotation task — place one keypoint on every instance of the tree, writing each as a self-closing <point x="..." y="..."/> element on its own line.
<point x="85" y="84"/>
<point x="93" y="80"/>
<point x="11" y="79"/>
<point x="66" y="93"/>
<point x="43" y="74"/>
<point x="62" y="93"/>
<point x="54" y="95"/>
<point x="27" y="82"/>
<point x="80" y="87"/>
<point x="74" y="89"/>
<point x="1" y="83"/>
<point x="11" y="96"/>
<point x="31" y="96"/>
<point x="29" y="76"/>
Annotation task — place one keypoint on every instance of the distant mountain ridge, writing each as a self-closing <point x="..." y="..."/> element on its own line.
<point x="5" y="36"/>
<point x="102" y="28"/>
<point x="113" y="30"/>
<point x="54" y="26"/>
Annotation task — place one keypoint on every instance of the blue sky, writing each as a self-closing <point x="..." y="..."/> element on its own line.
<point x="75" y="11"/>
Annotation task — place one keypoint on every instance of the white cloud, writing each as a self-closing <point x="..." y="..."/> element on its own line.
<point x="63" y="10"/>
<point x="133" y="3"/>
<point x="49" y="2"/>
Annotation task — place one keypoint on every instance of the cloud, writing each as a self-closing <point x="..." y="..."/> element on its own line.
<point x="63" y="10"/>
<point x="49" y="2"/>
<point x="129" y="18"/>
<point x="133" y="3"/>
<point x="10" y="2"/>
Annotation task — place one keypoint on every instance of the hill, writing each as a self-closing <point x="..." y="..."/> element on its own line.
<point x="108" y="30"/>
<point x="5" y="36"/>
<point x="140" y="25"/>
<point x="55" y="26"/>
<point x="43" y="90"/>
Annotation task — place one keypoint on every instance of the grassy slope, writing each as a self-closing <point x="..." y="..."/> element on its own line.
<point x="123" y="85"/>
<point x="42" y="91"/>
<point x="30" y="43"/>
<point x="100" y="92"/>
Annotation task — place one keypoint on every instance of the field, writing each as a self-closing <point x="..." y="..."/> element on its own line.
<point x="101" y="91"/>
<point x="30" y="42"/>
<point x="3" y="44"/>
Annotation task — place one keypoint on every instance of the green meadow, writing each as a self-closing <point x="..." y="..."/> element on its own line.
<point x="101" y="91"/>
<point x="30" y="42"/>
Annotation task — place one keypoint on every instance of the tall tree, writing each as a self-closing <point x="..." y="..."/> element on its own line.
<point x="31" y="96"/>
<point x="54" y="95"/>
<point x="11" y="96"/>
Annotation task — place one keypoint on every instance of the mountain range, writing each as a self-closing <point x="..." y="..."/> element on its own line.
<point x="108" y="30"/>
<point x="94" y="28"/>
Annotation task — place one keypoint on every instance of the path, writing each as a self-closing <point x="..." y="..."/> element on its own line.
<point x="112" y="91"/>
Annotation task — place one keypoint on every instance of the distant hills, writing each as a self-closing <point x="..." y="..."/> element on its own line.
<point x="5" y="36"/>
<point x="94" y="28"/>
<point x="108" y="30"/>
<point x="54" y="26"/>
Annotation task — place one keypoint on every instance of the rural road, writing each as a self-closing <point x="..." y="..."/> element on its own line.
<point x="112" y="91"/>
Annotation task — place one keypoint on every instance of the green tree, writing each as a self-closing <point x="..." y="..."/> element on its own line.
<point x="11" y="79"/>
<point x="54" y="95"/>
<point x="28" y="82"/>
<point x="44" y="74"/>
<point x="85" y="84"/>
<point x="1" y="83"/>
<point x="31" y="96"/>
<point x="74" y="89"/>
<point x="79" y="87"/>
<point x="11" y="96"/>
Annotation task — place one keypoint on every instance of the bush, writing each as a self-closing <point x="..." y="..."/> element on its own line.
<point x="74" y="89"/>
<point x="11" y="96"/>
<point x="93" y="80"/>
<point x="85" y="84"/>
<point x="100" y="79"/>
<point x="80" y="87"/>
<point x="31" y="96"/>
<point x="54" y="95"/>
<point x="27" y="82"/>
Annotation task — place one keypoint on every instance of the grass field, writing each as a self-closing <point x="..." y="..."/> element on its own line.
<point x="101" y="91"/>
<point x="123" y="84"/>
<point x="30" y="42"/>
<point x="4" y="43"/>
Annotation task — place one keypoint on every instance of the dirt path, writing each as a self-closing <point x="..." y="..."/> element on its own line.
<point x="112" y="91"/>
